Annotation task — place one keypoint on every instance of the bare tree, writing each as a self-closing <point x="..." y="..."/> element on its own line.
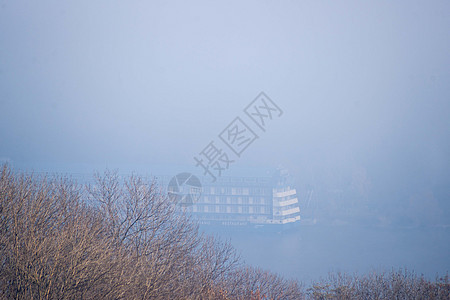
<point x="52" y="245"/>
<point x="116" y="239"/>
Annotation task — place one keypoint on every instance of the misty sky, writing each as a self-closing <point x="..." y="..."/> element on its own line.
<point x="363" y="86"/>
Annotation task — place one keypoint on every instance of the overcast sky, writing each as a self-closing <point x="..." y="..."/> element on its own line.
<point x="363" y="86"/>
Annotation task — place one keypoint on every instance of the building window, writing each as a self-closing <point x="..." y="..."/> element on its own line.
<point x="245" y="191"/>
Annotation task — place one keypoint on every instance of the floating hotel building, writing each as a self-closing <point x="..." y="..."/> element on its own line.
<point x="243" y="201"/>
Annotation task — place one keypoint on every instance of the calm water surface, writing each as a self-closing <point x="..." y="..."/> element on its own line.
<point x="312" y="251"/>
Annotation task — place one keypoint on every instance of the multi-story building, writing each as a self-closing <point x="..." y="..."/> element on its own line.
<point x="244" y="201"/>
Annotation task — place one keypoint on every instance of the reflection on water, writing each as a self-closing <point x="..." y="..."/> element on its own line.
<point x="312" y="251"/>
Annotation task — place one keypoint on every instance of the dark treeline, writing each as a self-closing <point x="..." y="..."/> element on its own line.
<point x="119" y="239"/>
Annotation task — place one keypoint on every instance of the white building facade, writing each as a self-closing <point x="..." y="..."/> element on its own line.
<point x="241" y="201"/>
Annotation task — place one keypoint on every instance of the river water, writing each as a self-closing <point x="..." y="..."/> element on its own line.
<point x="310" y="252"/>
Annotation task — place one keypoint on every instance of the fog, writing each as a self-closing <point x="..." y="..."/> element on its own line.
<point x="143" y="86"/>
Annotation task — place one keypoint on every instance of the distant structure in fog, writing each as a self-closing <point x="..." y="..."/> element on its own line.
<point x="247" y="201"/>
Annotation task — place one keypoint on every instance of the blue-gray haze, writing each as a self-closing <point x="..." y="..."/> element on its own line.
<point x="364" y="88"/>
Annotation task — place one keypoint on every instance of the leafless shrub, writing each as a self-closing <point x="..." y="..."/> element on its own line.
<point x="255" y="283"/>
<point x="401" y="284"/>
